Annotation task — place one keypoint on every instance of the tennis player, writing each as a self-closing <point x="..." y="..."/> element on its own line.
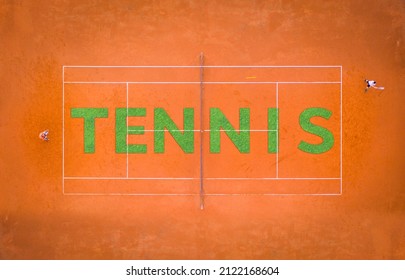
<point x="44" y="135"/>
<point x="372" y="84"/>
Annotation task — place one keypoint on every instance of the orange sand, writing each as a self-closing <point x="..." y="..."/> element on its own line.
<point x="38" y="222"/>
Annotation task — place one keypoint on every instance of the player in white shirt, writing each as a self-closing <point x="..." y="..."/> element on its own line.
<point x="372" y="84"/>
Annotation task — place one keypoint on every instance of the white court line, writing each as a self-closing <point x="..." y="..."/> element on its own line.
<point x="276" y="194"/>
<point x="241" y="130"/>
<point x="277" y="132"/>
<point x="192" y="194"/>
<point x="270" y="178"/>
<point x="196" y="178"/>
<point x="202" y="130"/>
<point x="278" y="82"/>
<point x="126" y="82"/>
<point x="341" y="131"/>
<point x="130" y="194"/>
<point x="126" y="122"/>
<point x="63" y="129"/>
<point x="129" y="178"/>
<point x="164" y="130"/>
<point x="204" y="66"/>
<point x="177" y="83"/>
<point x="207" y="130"/>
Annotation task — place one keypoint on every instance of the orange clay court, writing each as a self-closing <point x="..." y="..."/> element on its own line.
<point x="202" y="130"/>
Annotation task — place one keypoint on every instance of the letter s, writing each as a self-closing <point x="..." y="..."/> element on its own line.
<point x="325" y="134"/>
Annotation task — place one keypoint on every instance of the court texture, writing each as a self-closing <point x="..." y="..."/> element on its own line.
<point x="202" y="130"/>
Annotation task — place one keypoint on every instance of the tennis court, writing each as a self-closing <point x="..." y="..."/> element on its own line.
<point x="267" y="148"/>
